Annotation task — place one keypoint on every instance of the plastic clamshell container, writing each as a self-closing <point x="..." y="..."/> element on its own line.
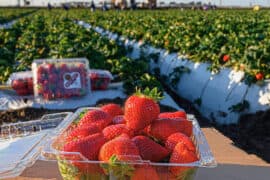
<point x="61" y="78"/>
<point x="100" y="79"/>
<point x="22" y="82"/>
<point x="21" y="143"/>
<point x="67" y="161"/>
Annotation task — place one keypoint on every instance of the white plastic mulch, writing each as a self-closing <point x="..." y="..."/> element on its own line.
<point x="10" y="101"/>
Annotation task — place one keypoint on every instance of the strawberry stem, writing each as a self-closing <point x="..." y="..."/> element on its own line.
<point x="150" y="93"/>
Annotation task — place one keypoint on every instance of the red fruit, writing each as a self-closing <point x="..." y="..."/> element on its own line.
<point x="119" y="120"/>
<point x="81" y="132"/>
<point x="150" y="150"/>
<point x="98" y="117"/>
<point x="145" y="172"/>
<point x="30" y="84"/>
<point x="122" y="147"/>
<point x="50" y="68"/>
<point x="182" y="154"/>
<point x="259" y="76"/>
<point x="162" y="129"/>
<point x="112" y="109"/>
<point x="41" y="70"/>
<point x="112" y="131"/>
<point x="226" y="58"/>
<point x="18" y="84"/>
<point x="140" y="111"/>
<point x="177" y="114"/>
<point x="48" y="95"/>
<point x="88" y="147"/>
<point x="175" y="138"/>
<point x="22" y="92"/>
<point x="53" y="78"/>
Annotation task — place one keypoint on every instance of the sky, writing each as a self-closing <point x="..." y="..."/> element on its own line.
<point x="239" y="2"/>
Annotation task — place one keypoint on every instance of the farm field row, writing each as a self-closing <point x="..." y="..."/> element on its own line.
<point x="55" y="35"/>
<point x="9" y="14"/>
<point x="238" y="39"/>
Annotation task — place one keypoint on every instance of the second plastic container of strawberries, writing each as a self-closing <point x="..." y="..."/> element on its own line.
<point x="61" y="78"/>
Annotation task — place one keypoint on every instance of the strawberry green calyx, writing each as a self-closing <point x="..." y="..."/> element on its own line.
<point x="149" y="93"/>
<point x="120" y="169"/>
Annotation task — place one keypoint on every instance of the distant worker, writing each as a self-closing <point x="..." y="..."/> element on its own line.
<point x="104" y="6"/>
<point x="93" y="6"/>
<point x="65" y="7"/>
<point x="49" y="6"/>
<point x="132" y="4"/>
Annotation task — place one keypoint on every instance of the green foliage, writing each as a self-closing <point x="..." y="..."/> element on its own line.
<point x="240" y="107"/>
<point x="201" y="36"/>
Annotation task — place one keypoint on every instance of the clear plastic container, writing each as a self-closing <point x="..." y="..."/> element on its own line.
<point x="21" y="143"/>
<point x="61" y="78"/>
<point x="100" y="79"/>
<point x="22" y="82"/>
<point x="95" y="169"/>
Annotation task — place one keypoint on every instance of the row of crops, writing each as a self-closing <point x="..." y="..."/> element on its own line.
<point x="7" y="15"/>
<point x="226" y="38"/>
<point x="239" y="39"/>
<point x="55" y="35"/>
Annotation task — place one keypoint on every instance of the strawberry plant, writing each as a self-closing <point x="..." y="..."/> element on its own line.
<point x="225" y="38"/>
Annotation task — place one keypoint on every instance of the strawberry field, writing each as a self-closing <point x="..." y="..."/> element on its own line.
<point x="225" y="38"/>
<point x="133" y="129"/>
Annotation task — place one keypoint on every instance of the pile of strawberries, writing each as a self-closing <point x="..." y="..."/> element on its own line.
<point x="61" y="80"/>
<point x="23" y="86"/>
<point x="139" y="133"/>
<point x="98" y="80"/>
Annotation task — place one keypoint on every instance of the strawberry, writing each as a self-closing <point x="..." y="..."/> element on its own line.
<point x="259" y="76"/>
<point x="141" y="110"/>
<point x="145" y="172"/>
<point x="89" y="147"/>
<point x="182" y="154"/>
<point x="162" y="129"/>
<point x="81" y="132"/>
<point x="175" y="138"/>
<point x="113" y="131"/>
<point x="122" y="147"/>
<point x="22" y="92"/>
<point x="98" y="117"/>
<point x="112" y="109"/>
<point x="119" y="120"/>
<point x="150" y="150"/>
<point x="17" y="84"/>
<point x="225" y="58"/>
<point x="177" y="114"/>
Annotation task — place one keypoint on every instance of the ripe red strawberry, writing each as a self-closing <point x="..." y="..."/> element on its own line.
<point x="122" y="147"/>
<point x="259" y="76"/>
<point x="98" y="117"/>
<point x="22" y="92"/>
<point x="162" y="129"/>
<point x="141" y="110"/>
<point x="81" y="132"/>
<point x="18" y="84"/>
<point x="112" y="131"/>
<point x="145" y="172"/>
<point x="226" y="58"/>
<point x="119" y="120"/>
<point x="112" y="109"/>
<point x="177" y="114"/>
<point x="150" y="150"/>
<point x="30" y="85"/>
<point x="88" y="147"/>
<point x="182" y="154"/>
<point x="175" y="138"/>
